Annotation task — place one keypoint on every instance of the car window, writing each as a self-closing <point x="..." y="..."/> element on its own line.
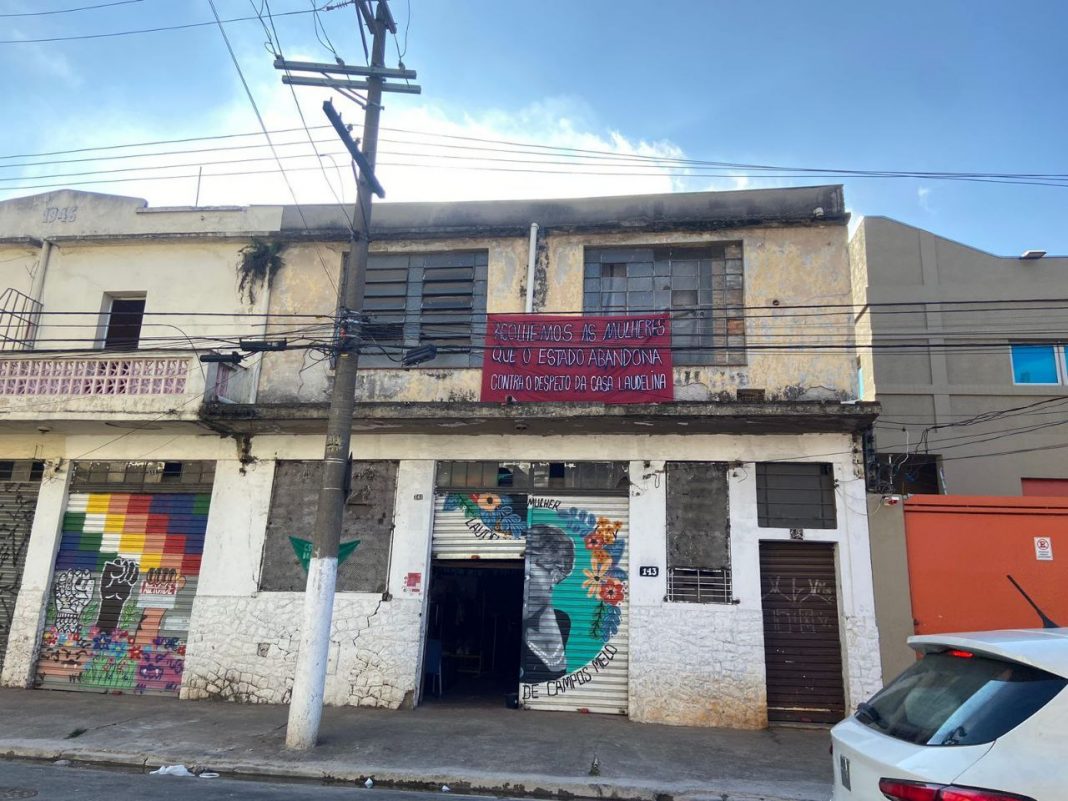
<point x="956" y="698"/>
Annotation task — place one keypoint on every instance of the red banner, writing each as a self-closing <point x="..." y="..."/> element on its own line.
<point x="604" y="359"/>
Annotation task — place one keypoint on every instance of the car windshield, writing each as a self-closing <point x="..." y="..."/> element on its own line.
<point x="956" y="698"/>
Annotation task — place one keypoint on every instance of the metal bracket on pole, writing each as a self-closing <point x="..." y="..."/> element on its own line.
<point x="366" y="170"/>
<point x="345" y="69"/>
<point x="343" y="83"/>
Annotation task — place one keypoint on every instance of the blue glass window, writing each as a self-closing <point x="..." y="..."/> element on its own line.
<point x="1035" y="364"/>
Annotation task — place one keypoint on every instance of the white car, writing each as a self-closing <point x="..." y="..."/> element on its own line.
<point x="981" y="717"/>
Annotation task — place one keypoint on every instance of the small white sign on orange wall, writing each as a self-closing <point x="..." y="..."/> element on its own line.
<point x="1044" y="549"/>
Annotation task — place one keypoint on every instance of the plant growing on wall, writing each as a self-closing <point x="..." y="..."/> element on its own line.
<point x="260" y="260"/>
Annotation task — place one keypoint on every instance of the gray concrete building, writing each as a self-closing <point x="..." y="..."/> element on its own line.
<point x="965" y="351"/>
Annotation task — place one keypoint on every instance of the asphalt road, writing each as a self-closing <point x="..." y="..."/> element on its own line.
<point x="47" y="782"/>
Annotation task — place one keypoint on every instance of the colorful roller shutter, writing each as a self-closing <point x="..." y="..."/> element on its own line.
<point x="471" y="524"/>
<point x="575" y="628"/>
<point x="122" y="592"/>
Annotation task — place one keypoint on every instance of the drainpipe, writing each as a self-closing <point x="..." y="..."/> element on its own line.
<point x="37" y="291"/>
<point x="254" y="379"/>
<point x="532" y="257"/>
<point x="42" y="269"/>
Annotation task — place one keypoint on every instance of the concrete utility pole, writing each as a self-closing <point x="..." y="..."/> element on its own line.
<point x="306" y="703"/>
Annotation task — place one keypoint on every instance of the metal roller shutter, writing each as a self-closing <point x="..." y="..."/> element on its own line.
<point x="802" y="646"/>
<point x="575" y="628"/>
<point x="18" y="503"/>
<point x="122" y="591"/>
<point x="479" y="525"/>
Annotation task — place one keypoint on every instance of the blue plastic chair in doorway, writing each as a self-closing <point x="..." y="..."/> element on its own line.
<point x="433" y="664"/>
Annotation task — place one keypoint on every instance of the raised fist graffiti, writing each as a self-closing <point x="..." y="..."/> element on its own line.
<point x="116" y="583"/>
<point x="73" y="589"/>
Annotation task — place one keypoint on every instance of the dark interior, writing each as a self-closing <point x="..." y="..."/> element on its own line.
<point x="474" y="633"/>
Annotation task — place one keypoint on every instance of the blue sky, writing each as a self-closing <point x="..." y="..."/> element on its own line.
<point x="934" y="86"/>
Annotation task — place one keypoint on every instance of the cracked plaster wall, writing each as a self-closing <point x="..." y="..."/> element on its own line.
<point x="246" y="649"/>
<point x="243" y="643"/>
<point x="784" y="266"/>
<point x="307" y="286"/>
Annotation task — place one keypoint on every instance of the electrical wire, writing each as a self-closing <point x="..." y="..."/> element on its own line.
<point x="69" y="10"/>
<point x="263" y="127"/>
<point x="589" y="153"/>
<point x="113" y="34"/>
<point x="320" y="32"/>
<point x="492" y="165"/>
<point x="888" y="307"/>
<point x="145" y="424"/>
<point x="300" y="111"/>
<point x="152" y="143"/>
<point x="402" y="51"/>
<point x="661" y="163"/>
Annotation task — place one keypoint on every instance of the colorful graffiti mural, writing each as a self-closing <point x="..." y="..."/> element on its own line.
<point x="490" y="516"/>
<point x="574" y="652"/>
<point x="572" y="611"/>
<point x="122" y="591"/>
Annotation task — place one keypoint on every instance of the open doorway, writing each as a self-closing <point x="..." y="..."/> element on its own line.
<point x="474" y="632"/>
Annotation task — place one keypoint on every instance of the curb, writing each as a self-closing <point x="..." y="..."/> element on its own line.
<point x="497" y="784"/>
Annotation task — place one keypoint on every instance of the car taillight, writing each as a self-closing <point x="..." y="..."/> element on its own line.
<point x="972" y="794"/>
<point x="961" y="654"/>
<point x="899" y="790"/>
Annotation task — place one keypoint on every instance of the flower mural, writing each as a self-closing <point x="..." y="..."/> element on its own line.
<point x="575" y="582"/>
<point x="605" y="578"/>
<point x="496" y="512"/>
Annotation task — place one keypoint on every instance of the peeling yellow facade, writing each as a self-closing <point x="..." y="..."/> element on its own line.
<point x="784" y="268"/>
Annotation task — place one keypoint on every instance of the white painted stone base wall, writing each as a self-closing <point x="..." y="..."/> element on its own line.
<point x="864" y="671"/>
<point x="703" y="664"/>
<point x="698" y="665"/>
<point x="246" y="650"/>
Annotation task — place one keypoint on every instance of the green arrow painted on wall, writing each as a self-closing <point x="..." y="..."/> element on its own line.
<point x="303" y="550"/>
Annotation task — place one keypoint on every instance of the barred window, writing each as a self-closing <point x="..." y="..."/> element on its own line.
<point x="795" y="495"/>
<point x="702" y="287"/>
<point x="698" y="533"/>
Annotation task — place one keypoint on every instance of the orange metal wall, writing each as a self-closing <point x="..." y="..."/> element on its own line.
<point x="960" y="548"/>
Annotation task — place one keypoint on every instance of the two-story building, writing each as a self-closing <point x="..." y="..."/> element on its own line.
<point x="629" y="481"/>
<point x="965" y="353"/>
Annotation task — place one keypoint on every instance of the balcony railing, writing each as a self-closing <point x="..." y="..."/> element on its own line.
<point x="135" y="375"/>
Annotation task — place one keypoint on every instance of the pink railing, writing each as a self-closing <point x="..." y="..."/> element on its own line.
<point x="118" y="376"/>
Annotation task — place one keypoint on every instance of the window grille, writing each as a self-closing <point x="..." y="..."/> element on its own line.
<point x="699" y="585"/>
<point x="795" y="495"/>
<point x="607" y="477"/>
<point x="21" y="470"/>
<point x="702" y="287"/>
<point x="108" y="476"/>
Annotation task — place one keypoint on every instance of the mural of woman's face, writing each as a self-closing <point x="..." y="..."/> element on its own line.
<point x="551" y="555"/>
<point x="539" y="589"/>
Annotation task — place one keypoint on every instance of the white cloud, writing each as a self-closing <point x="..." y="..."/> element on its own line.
<point x="923" y="195"/>
<point x="39" y="59"/>
<point x="427" y="151"/>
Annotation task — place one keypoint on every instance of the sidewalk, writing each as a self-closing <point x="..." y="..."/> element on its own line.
<point x="476" y="750"/>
